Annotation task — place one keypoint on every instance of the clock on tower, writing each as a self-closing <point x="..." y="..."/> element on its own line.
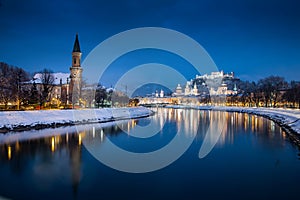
<point x="75" y="74"/>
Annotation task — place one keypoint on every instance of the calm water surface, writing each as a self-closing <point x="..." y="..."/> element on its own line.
<point x="253" y="159"/>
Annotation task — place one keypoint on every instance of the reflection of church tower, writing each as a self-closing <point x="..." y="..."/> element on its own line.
<point x="74" y="147"/>
<point x="75" y="73"/>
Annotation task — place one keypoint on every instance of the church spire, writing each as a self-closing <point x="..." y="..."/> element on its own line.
<point x="76" y="47"/>
<point x="75" y="74"/>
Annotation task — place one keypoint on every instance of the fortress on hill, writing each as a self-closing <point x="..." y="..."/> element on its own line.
<point x="214" y="84"/>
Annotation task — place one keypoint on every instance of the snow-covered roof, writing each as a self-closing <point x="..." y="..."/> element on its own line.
<point x="110" y="89"/>
<point x="37" y="78"/>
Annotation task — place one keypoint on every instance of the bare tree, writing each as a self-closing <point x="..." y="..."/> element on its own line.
<point x="47" y="81"/>
<point x="292" y="95"/>
<point x="5" y="79"/>
<point x="33" y="98"/>
<point x="248" y="94"/>
<point x="19" y="93"/>
<point x="119" y="99"/>
<point x="100" y="96"/>
<point x="271" y="87"/>
<point x="11" y="79"/>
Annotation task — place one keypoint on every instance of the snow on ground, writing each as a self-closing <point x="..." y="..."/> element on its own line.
<point x="13" y="137"/>
<point x="290" y="118"/>
<point x="13" y="120"/>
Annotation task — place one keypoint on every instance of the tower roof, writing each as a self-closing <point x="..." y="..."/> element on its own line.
<point x="76" y="47"/>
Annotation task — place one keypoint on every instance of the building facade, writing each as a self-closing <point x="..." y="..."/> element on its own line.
<point x="64" y="88"/>
<point x="76" y="74"/>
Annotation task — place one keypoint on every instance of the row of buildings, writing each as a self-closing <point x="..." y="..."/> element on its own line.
<point x="200" y="90"/>
<point x="67" y="87"/>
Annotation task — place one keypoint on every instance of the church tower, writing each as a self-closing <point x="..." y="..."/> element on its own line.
<point x="75" y="74"/>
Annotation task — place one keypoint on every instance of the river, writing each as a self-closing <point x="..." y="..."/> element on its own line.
<point x="249" y="157"/>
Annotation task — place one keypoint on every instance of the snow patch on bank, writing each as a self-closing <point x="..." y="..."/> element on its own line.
<point x="15" y="120"/>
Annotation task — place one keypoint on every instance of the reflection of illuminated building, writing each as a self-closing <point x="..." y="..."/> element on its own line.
<point x="75" y="160"/>
<point x="52" y="144"/>
<point x="219" y="121"/>
<point x="9" y="152"/>
<point x="50" y="148"/>
<point x="130" y="125"/>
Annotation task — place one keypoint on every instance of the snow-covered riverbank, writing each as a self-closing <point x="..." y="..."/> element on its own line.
<point x="287" y="118"/>
<point x="25" y="120"/>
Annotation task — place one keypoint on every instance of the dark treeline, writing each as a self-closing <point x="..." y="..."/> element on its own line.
<point x="16" y="90"/>
<point x="272" y="91"/>
<point x="19" y="90"/>
<point x="11" y="78"/>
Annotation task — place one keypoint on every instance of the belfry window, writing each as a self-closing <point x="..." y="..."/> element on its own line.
<point x="74" y="60"/>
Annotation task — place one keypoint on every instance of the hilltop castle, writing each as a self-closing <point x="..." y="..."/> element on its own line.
<point x="216" y="83"/>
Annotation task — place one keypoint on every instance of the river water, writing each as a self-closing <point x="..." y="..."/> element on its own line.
<point x="250" y="158"/>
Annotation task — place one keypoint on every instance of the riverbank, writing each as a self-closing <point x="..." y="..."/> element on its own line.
<point x="26" y="120"/>
<point x="288" y="119"/>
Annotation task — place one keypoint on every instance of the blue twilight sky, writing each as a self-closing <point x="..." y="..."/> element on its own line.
<point x="253" y="38"/>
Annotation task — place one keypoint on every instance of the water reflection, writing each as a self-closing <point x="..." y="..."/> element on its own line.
<point x="191" y="121"/>
<point x="188" y="120"/>
<point x="51" y="159"/>
<point x="241" y="123"/>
